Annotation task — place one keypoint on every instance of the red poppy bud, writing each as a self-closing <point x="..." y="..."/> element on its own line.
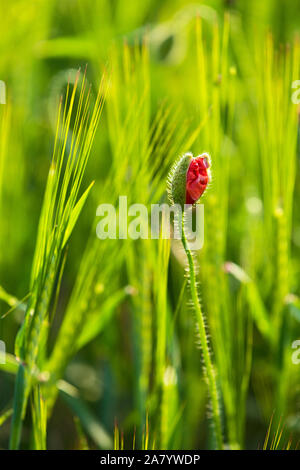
<point x="189" y="178"/>
<point x="197" y="178"/>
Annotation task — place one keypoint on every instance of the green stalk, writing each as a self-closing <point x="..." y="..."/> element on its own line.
<point x="18" y="407"/>
<point x="208" y="365"/>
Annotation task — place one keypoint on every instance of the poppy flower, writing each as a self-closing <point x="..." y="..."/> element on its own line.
<point x="189" y="178"/>
<point x="197" y="178"/>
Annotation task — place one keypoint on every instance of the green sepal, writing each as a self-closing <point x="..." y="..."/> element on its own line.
<point x="177" y="180"/>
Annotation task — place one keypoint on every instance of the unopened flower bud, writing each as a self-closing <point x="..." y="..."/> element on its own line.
<point x="188" y="179"/>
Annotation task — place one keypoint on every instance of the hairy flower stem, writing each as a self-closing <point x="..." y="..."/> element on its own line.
<point x="208" y="365"/>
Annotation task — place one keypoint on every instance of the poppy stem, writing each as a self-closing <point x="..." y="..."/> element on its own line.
<point x="208" y="368"/>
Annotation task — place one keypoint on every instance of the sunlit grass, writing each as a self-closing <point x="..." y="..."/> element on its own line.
<point x="106" y="328"/>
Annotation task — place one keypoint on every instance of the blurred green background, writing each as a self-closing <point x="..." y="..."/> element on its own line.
<point x="212" y="76"/>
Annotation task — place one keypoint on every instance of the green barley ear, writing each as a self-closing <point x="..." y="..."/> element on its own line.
<point x="177" y="180"/>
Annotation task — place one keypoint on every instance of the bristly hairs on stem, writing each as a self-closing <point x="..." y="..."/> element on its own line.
<point x="178" y="180"/>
